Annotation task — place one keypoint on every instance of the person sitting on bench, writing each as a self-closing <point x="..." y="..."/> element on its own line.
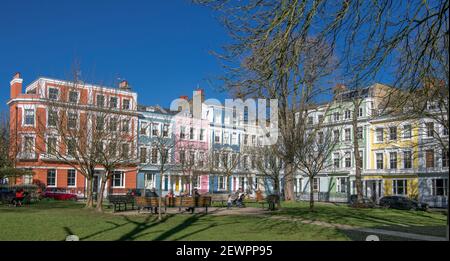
<point x="196" y="195"/>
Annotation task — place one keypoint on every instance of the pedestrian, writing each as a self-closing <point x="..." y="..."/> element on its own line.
<point x="229" y="201"/>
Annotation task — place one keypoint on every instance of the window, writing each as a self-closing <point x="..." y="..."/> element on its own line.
<point x="155" y="129"/>
<point x="393" y="133"/>
<point x="201" y="159"/>
<point x="253" y="140"/>
<point x="347" y="134"/>
<point x="245" y="139"/>
<point x="191" y="133"/>
<point x="71" y="147"/>
<point x="125" y="125"/>
<point x="316" y="184"/>
<point x="154" y="155"/>
<point x="72" y="120"/>
<point x="245" y="161"/>
<point x="71" y="178"/>
<point x="407" y="159"/>
<point x="379" y="157"/>
<point x="348" y="160"/>
<point x="253" y="162"/>
<point x="182" y="156"/>
<point x="100" y="123"/>
<point x="143" y="155"/>
<point x="361" y="159"/>
<point x="165" y="131"/>
<point x="336" y="160"/>
<point x="222" y="182"/>
<point x="320" y="118"/>
<point x="51" y="177"/>
<point x="444" y="131"/>
<point x="429" y="158"/>
<point x="165" y="156"/>
<point x="113" y="122"/>
<point x="341" y="185"/>
<point x="182" y="132"/>
<point x="393" y="160"/>
<point x="125" y="104"/>
<point x="202" y="134"/>
<point x="336" y="135"/>
<point x="336" y="116"/>
<point x="360" y="112"/>
<point x="125" y="150"/>
<point x="379" y="134"/>
<point x="347" y="114"/>
<point x="99" y="146"/>
<point x="73" y="97"/>
<point x="216" y="138"/>
<point x="100" y="100"/>
<point x="400" y="187"/>
<point x="51" y="145"/>
<point x="430" y="129"/>
<point x="216" y="160"/>
<point x="53" y="94"/>
<point x="407" y="131"/>
<point x="234" y="138"/>
<point x="310" y="120"/>
<point x="112" y="147"/>
<point x="52" y="118"/>
<point x="445" y="157"/>
<point x="113" y="102"/>
<point x="320" y="137"/>
<point x="359" y="133"/>
<point x="226" y="138"/>
<point x="439" y="187"/>
<point x="191" y="158"/>
<point x="29" y="117"/>
<point x="117" y="179"/>
<point x="28" y="145"/>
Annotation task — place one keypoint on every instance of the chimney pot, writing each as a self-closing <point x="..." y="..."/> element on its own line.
<point x="184" y="97"/>
<point x="16" y="75"/>
<point x="123" y="85"/>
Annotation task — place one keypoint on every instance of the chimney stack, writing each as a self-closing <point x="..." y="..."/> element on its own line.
<point x="124" y="85"/>
<point x="16" y="85"/>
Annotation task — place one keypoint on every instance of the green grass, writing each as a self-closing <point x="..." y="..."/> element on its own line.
<point x="420" y="222"/>
<point x="52" y="220"/>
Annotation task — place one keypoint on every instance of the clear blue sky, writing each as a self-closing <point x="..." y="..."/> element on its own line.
<point x="161" y="47"/>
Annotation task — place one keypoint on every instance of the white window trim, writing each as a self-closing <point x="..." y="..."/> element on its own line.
<point x="76" y="174"/>
<point x="123" y="181"/>
<point x="376" y="135"/>
<point x="56" y="178"/>
<point x="78" y="96"/>
<point x="48" y="93"/>
<point x="24" y="116"/>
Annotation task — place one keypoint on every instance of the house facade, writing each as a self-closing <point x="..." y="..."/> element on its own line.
<point x="36" y="119"/>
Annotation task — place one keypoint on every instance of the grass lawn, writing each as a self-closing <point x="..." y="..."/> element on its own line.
<point x="54" y="220"/>
<point x="419" y="222"/>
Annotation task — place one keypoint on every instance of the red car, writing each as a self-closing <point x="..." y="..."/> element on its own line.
<point x="59" y="194"/>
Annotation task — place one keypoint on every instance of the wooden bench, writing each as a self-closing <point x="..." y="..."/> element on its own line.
<point x="121" y="200"/>
<point x="192" y="203"/>
<point x="219" y="198"/>
<point x="151" y="203"/>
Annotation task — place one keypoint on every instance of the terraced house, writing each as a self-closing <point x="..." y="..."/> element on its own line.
<point x="55" y="125"/>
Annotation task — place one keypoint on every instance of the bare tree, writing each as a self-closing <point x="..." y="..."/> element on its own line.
<point x="223" y="161"/>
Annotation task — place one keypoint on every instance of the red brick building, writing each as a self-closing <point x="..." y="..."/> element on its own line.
<point x="32" y="125"/>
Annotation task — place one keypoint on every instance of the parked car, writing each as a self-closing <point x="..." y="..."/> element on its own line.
<point x="59" y="194"/>
<point x="399" y="202"/>
<point x="366" y="201"/>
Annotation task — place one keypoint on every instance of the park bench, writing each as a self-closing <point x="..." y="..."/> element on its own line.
<point x="177" y="202"/>
<point x="117" y="201"/>
<point x="219" y="198"/>
<point x="150" y="203"/>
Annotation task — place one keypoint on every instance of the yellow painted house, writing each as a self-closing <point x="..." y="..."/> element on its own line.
<point x="393" y="158"/>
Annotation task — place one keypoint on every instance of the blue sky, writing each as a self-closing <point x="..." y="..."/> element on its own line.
<point x="161" y="47"/>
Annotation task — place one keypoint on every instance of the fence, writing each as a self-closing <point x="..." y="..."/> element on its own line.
<point x="324" y="197"/>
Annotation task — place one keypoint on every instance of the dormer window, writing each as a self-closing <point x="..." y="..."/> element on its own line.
<point x="113" y="102"/>
<point x="53" y="93"/>
<point x="125" y="104"/>
<point x="73" y="97"/>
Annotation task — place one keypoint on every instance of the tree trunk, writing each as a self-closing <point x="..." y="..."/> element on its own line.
<point x="89" y="196"/>
<point x="358" y="178"/>
<point x="288" y="182"/>
<point x="277" y="192"/>
<point x="160" y="195"/>
<point x="311" y="194"/>
<point x="99" y="206"/>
